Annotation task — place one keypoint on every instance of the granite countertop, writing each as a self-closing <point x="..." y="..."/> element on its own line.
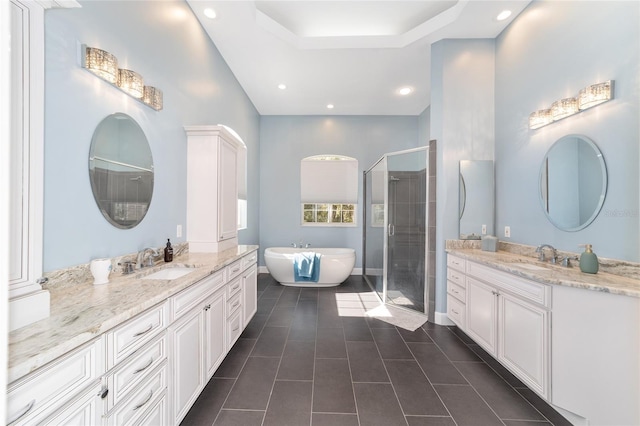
<point x="521" y="265"/>
<point x="82" y="312"/>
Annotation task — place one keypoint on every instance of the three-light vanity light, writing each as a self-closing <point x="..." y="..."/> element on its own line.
<point x="105" y="65"/>
<point x="588" y="97"/>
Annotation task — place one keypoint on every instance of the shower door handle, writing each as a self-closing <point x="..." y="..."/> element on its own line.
<point x="392" y="230"/>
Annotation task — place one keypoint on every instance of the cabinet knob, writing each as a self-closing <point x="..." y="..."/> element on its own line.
<point x="103" y="392"/>
<point x="207" y="307"/>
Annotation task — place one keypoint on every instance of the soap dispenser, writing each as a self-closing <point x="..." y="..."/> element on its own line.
<point x="588" y="260"/>
<point x="168" y="252"/>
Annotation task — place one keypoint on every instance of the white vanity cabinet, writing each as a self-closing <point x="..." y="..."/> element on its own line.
<point x="212" y="188"/>
<point x="249" y="286"/>
<point x="510" y="318"/>
<point x="72" y="380"/>
<point x="197" y="340"/>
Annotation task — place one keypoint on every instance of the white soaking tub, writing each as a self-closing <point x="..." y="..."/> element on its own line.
<point x="336" y="264"/>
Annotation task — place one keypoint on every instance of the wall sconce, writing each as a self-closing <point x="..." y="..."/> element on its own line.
<point x="105" y="65"/>
<point x="588" y="97"/>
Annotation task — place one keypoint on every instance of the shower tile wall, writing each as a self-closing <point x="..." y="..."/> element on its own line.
<point x="431" y="232"/>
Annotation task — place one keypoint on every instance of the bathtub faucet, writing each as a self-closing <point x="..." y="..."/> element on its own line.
<point x="300" y="245"/>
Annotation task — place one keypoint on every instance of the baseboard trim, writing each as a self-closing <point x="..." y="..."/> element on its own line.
<point x="441" y="318"/>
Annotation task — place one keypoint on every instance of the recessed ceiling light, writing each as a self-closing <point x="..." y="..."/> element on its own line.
<point x="405" y="90"/>
<point x="503" y="15"/>
<point x="282" y="86"/>
<point x="330" y="106"/>
<point x="210" y="13"/>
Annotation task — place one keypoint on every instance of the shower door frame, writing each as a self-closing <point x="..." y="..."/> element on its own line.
<point x="385" y="250"/>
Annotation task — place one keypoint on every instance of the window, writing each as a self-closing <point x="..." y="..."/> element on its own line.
<point x="329" y="214"/>
<point x="329" y="190"/>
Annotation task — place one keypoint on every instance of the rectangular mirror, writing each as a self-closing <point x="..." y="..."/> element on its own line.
<point x="477" y="199"/>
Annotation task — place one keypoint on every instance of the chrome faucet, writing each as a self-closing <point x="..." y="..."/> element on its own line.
<point x="300" y="245"/>
<point x="140" y="262"/>
<point x="541" y="256"/>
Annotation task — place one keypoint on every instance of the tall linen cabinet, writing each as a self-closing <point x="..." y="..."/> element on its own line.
<point x="212" y="188"/>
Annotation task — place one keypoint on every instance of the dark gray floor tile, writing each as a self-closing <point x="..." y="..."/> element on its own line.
<point x="497" y="367"/>
<point x="505" y="401"/>
<point x="434" y="363"/>
<point x="366" y="365"/>
<point x="290" y="404"/>
<point x="208" y="404"/>
<point x="235" y="359"/>
<point x="281" y="317"/>
<point x="390" y="344"/>
<point x="255" y="326"/>
<point x="462" y="335"/>
<point x="328" y="319"/>
<point x="288" y="298"/>
<point x="430" y="421"/>
<point x="378" y="405"/>
<point x="526" y="423"/>
<point x="354" y="323"/>
<point x="414" y="391"/>
<point x="376" y="323"/>
<point x="466" y="406"/>
<point x="271" y="342"/>
<point x="418" y="335"/>
<point x="253" y="386"/>
<point x="326" y="419"/>
<point x="302" y="333"/>
<point x="239" y="418"/>
<point x="305" y="314"/>
<point x="451" y="345"/>
<point x="272" y="292"/>
<point x="308" y="294"/>
<point x="547" y="411"/>
<point x="297" y="361"/>
<point x="358" y="334"/>
<point x="332" y="387"/>
<point x="330" y="343"/>
<point x="265" y="306"/>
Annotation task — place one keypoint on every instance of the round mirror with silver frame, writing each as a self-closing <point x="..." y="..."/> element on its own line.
<point x="121" y="170"/>
<point x="573" y="182"/>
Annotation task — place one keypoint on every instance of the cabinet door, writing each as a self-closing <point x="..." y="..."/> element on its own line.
<point x="524" y="332"/>
<point x="482" y="317"/>
<point x="215" y="326"/>
<point x="227" y="191"/>
<point x="187" y="337"/>
<point x="83" y="410"/>
<point x="250" y="288"/>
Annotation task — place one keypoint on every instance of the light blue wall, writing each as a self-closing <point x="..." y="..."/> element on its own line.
<point x="285" y="140"/>
<point x="165" y="43"/>
<point x="462" y="122"/>
<point x="551" y="51"/>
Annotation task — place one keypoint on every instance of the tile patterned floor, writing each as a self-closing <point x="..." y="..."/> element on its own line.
<point x="308" y="358"/>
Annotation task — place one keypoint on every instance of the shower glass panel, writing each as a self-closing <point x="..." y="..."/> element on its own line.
<point x="406" y="229"/>
<point x="396" y="226"/>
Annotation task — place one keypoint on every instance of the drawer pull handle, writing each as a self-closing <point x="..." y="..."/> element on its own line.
<point x="145" y="401"/>
<point x="236" y="329"/>
<point x="140" y="333"/>
<point x="207" y="307"/>
<point x="233" y="271"/>
<point x="235" y="304"/>
<point x="455" y="312"/>
<point x="22" y="412"/>
<point x="145" y="367"/>
<point x="103" y="392"/>
<point x="235" y="286"/>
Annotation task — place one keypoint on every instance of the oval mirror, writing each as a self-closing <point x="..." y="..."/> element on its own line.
<point x="573" y="182"/>
<point x="121" y="170"/>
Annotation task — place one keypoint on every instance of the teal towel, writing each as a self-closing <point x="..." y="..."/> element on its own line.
<point x="306" y="266"/>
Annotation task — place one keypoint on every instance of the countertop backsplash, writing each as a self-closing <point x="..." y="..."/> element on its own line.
<point x="79" y="274"/>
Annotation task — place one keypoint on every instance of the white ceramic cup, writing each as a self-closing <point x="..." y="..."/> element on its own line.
<point x="100" y="269"/>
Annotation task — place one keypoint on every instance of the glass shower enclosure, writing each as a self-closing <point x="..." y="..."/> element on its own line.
<point x="396" y="230"/>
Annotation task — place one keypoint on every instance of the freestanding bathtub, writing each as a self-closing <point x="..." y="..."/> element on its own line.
<point x="336" y="265"/>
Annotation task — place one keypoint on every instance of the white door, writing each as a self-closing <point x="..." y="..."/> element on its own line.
<point x="215" y="323"/>
<point x="227" y="191"/>
<point x="482" y="317"/>
<point x="250" y="289"/>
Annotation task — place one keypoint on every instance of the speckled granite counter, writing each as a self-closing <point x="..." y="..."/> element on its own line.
<point x="518" y="263"/>
<point x="82" y="312"/>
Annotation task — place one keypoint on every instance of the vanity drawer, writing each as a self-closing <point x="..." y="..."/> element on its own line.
<point x="189" y="298"/>
<point x="234" y="287"/>
<point x="144" y="399"/>
<point x="526" y="289"/>
<point x="456" y="263"/>
<point x="456" y="311"/>
<point x="234" y="269"/>
<point x="249" y="260"/>
<point x="53" y="385"/>
<point x="456" y="277"/>
<point x="132" y="335"/>
<point x="457" y="291"/>
<point x="136" y="369"/>
<point x="234" y="327"/>
<point x="234" y="303"/>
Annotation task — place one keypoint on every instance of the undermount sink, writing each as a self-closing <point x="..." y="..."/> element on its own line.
<point x="532" y="267"/>
<point x="169" y="273"/>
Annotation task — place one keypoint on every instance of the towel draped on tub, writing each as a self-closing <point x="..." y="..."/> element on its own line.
<point x="306" y="266"/>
